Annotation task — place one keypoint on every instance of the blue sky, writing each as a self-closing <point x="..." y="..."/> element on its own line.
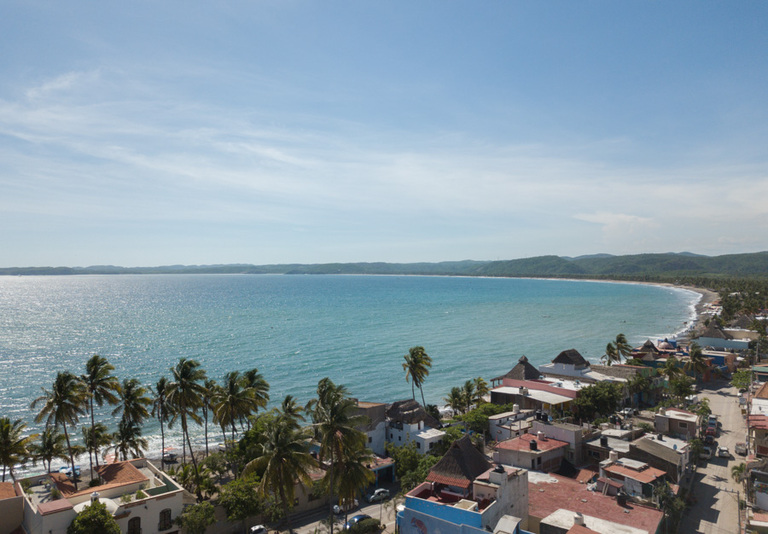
<point x="154" y="133"/>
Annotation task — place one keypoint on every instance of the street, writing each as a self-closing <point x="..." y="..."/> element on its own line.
<point x="313" y="523"/>
<point x="715" y="510"/>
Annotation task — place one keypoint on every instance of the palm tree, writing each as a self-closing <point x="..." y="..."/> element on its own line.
<point x="468" y="394"/>
<point x="233" y="401"/>
<point x="481" y="389"/>
<point x="284" y="458"/>
<point x="416" y="367"/>
<point x="52" y="446"/>
<point x="210" y="390"/>
<point x="335" y="422"/>
<point x="185" y="394"/>
<point x="160" y="411"/>
<point x="357" y="475"/>
<point x="134" y="402"/>
<point x="101" y="387"/>
<point x="455" y="400"/>
<point x="14" y="446"/>
<point x="697" y="363"/>
<point x="259" y="389"/>
<point x="62" y="406"/>
<point x="94" y="438"/>
<point x="623" y="348"/>
<point x="128" y="440"/>
<point x="738" y="472"/>
<point x="670" y="369"/>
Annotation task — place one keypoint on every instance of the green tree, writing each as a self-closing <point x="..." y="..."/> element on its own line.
<point x="232" y="401"/>
<point x="738" y="472"/>
<point x="697" y="363"/>
<point x="128" y="440"/>
<point x="357" y="475"/>
<point x="197" y="518"/>
<point x="468" y="394"/>
<point x="94" y="519"/>
<point x="284" y="458"/>
<point x="241" y="499"/>
<point x="14" y="446"/>
<point x="52" y="446"/>
<point x="259" y="389"/>
<point x="622" y="347"/>
<point x="95" y="438"/>
<point x="742" y="378"/>
<point x="185" y="396"/>
<point x="134" y="402"/>
<point x="681" y="388"/>
<point x="610" y="355"/>
<point x="335" y="421"/>
<point x="417" y="365"/>
<point x="62" y="406"/>
<point x="481" y="390"/>
<point x="598" y="400"/>
<point x="101" y="386"/>
<point x="455" y="400"/>
<point x="210" y="387"/>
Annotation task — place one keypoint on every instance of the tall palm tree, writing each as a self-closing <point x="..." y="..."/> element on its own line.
<point x="160" y="411"/>
<point x="611" y="355"/>
<point x="259" y="389"/>
<point x="128" y="440"/>
<point x="14" y="446"/>
<point x="134" y="402"/>
<point x="357" y="475"/>
<point x="335" y="421"/>
<point x="670" y="369"/>
<point x="697" y="363"/>
<point x="233" y="401"/>
<point x="94" y="438"/>
<point x="623" y="348"/>
<point x="468" y="394"/>
<point x="284" y="458"/>
<point x="481" y="389"/>
<point x="52" y="446"/>
<point x="62" y="406"/>
<point x="210" y="390"/>
<point x="416" y="366"/>
<point x="101" y="387"/>
<point x="455" y="400"/>
<point x="185" y="394"/>
<point x="738" y="472"/>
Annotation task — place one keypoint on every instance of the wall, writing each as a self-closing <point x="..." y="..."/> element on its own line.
<point x="12" y="514"/>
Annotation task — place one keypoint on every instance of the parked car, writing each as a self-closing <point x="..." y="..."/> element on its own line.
<point x="711" y="431"/>
<point x="258" y="529"/>
<point x="379" y="495"/>
<point x="712" y="420"/>
<point x="345" y="506"/>
<point x="709" y="440"/>
<point x="740" y="448"/>
<point x="706" y="453"/>
<point x="355" y="520"/>
<point x="723" y="452"/>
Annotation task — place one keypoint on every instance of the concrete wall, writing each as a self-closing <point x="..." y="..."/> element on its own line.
<point x="11" y="514"/>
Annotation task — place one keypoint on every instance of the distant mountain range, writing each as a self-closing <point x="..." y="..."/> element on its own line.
<point x="667" y="266"/>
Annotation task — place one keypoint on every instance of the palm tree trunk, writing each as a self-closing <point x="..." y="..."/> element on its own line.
<point x="192" y="455"/>
<point x="286" y="510"/>
<point x="91" y="445"/>
<point x="71" y="457"/>
<point x="330" y="490"/>
<point x="162" y="442"/>
<point x="423" y="402"/>
<point x="206" y="433"/>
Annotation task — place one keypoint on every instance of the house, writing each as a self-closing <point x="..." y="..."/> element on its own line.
<point x="522" y="371"/>
<point x="11" y="507"/>
<point x="560" y="505"/>
<point x="757" y="425"/>
<point x="408" y="422"/>
<point x="677" y="423"/>
<point x="571" y="365"/>
<point x="531" y="451"/>
<point x="375" y="428"/>
<point x="720" y="339"/>
<point x="671" y="455"/>
<point x="510" y="424"/>
<point x="726" y="361"/>
<point x="574" y="435"/>
<point x="539" y="395"/>
<point x="758" y="482"/>
<point x="634" y="477"/>
<point x="141" y="498"/>
<point x="465" y="494"/>
<point x="601" y="447"/>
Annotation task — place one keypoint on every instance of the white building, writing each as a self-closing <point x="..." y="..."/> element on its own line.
<point x="408" y="422"/>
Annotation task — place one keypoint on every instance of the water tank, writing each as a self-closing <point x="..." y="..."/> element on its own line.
<point x="540" y="435"/>
<point x="604" y="441"/>
<point x="533" y="445"/>
<point x="578" y="519"/>
<point x="515" y="408"/>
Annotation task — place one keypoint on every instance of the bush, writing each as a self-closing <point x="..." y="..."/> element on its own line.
<point x="366" y="526"/>
<point x="95" y="482"/>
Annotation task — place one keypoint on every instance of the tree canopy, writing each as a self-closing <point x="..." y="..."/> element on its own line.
<point x="94" y="519"/>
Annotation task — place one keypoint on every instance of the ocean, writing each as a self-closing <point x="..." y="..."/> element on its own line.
<point x="299" y="329"/>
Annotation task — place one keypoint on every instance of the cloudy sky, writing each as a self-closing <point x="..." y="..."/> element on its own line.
<point x="271" y="131"/>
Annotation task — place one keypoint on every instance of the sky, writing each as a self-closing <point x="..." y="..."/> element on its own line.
<point x="151" y="133"/>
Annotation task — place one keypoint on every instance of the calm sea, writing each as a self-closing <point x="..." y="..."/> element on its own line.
<point x="298" y="329"/>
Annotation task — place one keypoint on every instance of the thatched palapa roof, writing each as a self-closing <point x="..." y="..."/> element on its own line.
<point x="571" y="357"/>
<point x="522" y="371"/>
<point x="409" y="412"/>
<point x="460" y="466"/>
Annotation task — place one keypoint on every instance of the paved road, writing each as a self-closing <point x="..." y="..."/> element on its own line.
<point x="716" y="507"/>
<point x="314" y="524"/>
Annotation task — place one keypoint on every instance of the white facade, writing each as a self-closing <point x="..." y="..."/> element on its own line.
<point x="509" y="425"/>
<point x="424" y="437"/>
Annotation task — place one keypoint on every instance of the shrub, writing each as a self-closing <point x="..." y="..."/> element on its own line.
<point x="366" y="526"/>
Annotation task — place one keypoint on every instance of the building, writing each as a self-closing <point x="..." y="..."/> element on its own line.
<point x="560" y="505"/>
<point x="668" y="454"/>
<point x="757" y="426"/>
<point x="531" y="451"/>
<point x="552" y="398"/>
<point x="574" y="435"/>
<point x="571" y="365"/>
<point x="719" y="339"/>
<point x="522" y="371"/>
<point x="601" y="447"/>
<point x="635" y="478"/>
<point x="677" y="423"/>
<point x="11" y="507"/>
<point x="408" y="422"/>
<point x="375" y="428"/>
<point x="509" y="425"/>
<point x="142" y="499"/>
<point x="465" y="494"/>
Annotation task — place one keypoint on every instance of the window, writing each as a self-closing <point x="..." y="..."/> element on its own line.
<point x="134" y="526"/>
<point x="682" y="424"/>
<point x="165" y="520"/>
<point x="399" y="438"/>
<point x="418" y="444"/>
<point x="432" y="444"/>
<point x="370" y="439"/>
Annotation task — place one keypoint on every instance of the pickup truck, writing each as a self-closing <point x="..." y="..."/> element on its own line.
<point x="740" y="448"/>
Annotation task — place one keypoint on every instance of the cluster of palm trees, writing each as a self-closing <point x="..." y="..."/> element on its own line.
<point x="616" y="350"/>
<point x="187" y="396"/>
<point x="462" y="398"/>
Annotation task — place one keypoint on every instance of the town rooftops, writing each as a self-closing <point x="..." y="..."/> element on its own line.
<point x="522" y="371"/>
<point x="762" y="392"/>
<point x="523" y="443"/>
<point x="557" y="498"/>
<point x="460" y="465"/>
<point x="715" y="332"/>
<point x="614" y="444"/>
<point x="113" y="475"/>
<point x="667" y="449"/>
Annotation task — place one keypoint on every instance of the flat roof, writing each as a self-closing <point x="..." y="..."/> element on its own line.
<point x="536" y="394"/>
<point x="523" y="443"/>
<point x="680" y="415"/>
<point x="646" y="475"/>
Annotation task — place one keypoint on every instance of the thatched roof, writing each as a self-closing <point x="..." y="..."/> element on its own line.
<point x="522" y="371"/>
<point x="648" y="348"/>
<point x="715" y="332"/>
<point x="571" y="357"/>
<point x="409" y="412"/>
<point x="460" y="466"/>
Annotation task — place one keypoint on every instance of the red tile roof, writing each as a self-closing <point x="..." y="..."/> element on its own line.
<point x="646" y="475"/>
<point x="555" y="492"/>
<point x="523" y="443"/>
<point x="757" y="421"/>
<point x="52" y="507"/>
<point x="578" y="529"/>
<point x="6" y="490"/>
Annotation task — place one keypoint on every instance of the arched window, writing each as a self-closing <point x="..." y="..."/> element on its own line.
<point x="165" y="520"/>
<point x="134" y="525"/>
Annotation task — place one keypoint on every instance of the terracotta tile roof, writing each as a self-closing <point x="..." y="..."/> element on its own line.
<point x="52" y="507"/>
<point x="762" y="392"/>
<point x="114" y="475"/>
<point x="646" y="475"/>
<point x="523" y="443"/>
<point x="7" y="491"/>
<point x="551" y="492"/>
<point x="757" y="421"/>
<point x="578" y="529"/>
<point x="586" y="474"/>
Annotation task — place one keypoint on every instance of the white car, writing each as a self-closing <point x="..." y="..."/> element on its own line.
<point x="723" y="452"/>
<point x="259" y="529"/>
<point x="345" y="507"/>
<point x="706" y="453"/>
<point x="379" y="495"/>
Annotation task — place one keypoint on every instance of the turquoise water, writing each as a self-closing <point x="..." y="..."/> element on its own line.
<point x="298" y="329"/>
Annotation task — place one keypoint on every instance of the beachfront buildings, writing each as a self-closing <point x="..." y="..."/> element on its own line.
<point x="142" y="499"/>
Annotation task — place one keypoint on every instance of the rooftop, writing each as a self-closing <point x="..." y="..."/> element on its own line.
<point x="549" y="493"/>
<point x="523" y="443"/>
<point x="7" y="491"/>
<point x="646" y="475"/>
<point x="680" y="415"/>
<point x="538" y="395"/>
